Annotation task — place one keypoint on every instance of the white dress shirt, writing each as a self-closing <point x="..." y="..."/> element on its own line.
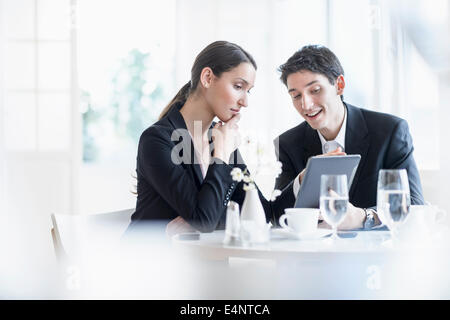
<point x="327" y="146"/>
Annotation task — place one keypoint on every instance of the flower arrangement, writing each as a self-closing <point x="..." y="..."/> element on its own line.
<point x="253" y="222"/>
<point x="249" y="182"/>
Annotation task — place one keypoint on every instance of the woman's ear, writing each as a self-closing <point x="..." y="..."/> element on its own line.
<point x="206" y="77"/>
<point x="340" y="85"/>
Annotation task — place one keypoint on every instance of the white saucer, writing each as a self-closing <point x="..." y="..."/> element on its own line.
<point x="319" y="233"/>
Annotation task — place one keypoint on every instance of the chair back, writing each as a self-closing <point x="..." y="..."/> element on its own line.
<point x="74" y="234"/>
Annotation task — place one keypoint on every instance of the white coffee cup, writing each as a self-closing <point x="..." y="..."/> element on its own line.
<point x="423" y="223"/>
<point x="426" y="215"/>
<point x="300" y="220"/>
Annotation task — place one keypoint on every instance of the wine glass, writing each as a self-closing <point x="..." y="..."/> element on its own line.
<point x="333" y="200"/>
<point x="393" y="199"/>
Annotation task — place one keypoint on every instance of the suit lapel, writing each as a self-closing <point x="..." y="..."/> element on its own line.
<point x="312" y="146"/>
<point x="356" y="140"/>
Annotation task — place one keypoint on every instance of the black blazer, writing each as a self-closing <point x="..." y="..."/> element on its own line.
<point x="382" y="140"/>
<point x="170" y="181"/>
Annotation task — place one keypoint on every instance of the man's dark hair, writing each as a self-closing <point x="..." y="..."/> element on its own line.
<point x="314" y="58"/>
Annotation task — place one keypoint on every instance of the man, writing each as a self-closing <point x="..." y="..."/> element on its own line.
<point x="315" y="81"/>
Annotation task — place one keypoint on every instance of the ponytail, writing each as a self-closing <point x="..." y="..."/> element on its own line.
<point x="181" y="96"/>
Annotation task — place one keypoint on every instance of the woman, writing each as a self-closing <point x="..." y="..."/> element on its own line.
<point x="182" y="175"/>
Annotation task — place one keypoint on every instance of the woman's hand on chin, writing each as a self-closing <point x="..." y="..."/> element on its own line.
<point x="226" y="138"/>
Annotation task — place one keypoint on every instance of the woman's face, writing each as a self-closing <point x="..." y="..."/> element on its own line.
<point x="228" y="93"/>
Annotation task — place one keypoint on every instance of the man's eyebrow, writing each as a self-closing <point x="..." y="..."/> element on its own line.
<point x="307" y="85"/>
<point x="312" y="82"/>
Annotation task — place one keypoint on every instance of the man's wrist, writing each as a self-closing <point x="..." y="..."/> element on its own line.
<point x="361" y="217"/>
<point x="370" y="219"/>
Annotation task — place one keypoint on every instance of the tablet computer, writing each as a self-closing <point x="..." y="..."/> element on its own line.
<point x="309" y="193"/>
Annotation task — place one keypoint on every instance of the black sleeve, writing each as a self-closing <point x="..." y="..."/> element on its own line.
<point x="284" y="182"/>
<point x="201" y="208"/>
<point x="400" y="156"/>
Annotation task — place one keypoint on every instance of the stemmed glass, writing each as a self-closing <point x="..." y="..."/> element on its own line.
<point x="393" y="199"/>
<point x="333" y="200"/>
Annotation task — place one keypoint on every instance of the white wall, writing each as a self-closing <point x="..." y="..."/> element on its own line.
<point x="39" y="134"/>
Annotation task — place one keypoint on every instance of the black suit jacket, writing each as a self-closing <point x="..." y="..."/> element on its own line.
<point x="382" y="140"/>
<point x="170" y="181"/>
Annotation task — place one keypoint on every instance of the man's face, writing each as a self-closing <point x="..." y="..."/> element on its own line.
<point x="316" y="100"/>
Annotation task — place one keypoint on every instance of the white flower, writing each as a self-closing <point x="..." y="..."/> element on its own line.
<point x="248" y="187"/>
<point x="275" y="194"/>
<point x="237" y="175"/>
<point x="265" y="164"/>
<point x="277" y="168"/>
<point x="247" y="178"/>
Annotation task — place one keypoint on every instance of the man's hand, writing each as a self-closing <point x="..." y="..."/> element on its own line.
<point x="354" y="219"/>
<point x="337" y="152"/>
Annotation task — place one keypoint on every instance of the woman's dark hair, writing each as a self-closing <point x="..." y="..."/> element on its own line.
<point x="314" y="58"/>
<point x="220" y="56"/>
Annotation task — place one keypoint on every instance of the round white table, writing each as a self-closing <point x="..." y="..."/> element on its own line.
<point x="285" y="246"/>
<point x="359" y="267"/>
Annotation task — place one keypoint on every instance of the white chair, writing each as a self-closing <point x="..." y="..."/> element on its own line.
<point x="72" y="234"/>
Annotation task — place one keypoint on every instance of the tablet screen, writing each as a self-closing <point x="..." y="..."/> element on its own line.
<point x="309" y="193"/>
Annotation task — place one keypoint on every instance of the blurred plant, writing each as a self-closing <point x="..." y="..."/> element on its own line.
<point x="135" y="92"/>
<point x="90" y="119"/>
<point x="136" y="97"/>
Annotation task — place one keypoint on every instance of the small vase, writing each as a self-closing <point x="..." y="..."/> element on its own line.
<point x="252" y="208"/>
<point x="254" y="228"/>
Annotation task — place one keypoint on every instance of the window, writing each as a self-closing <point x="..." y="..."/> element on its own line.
<point x="38" y="129"/>
<point x="125" y="64"/>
